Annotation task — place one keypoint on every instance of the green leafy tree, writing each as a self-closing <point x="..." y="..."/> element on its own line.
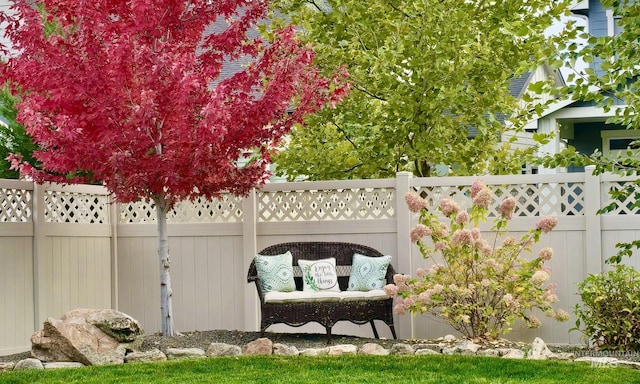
<point x="424" y="73"/>
<point x="13" y="137"/>
<point x="610" y="81"/>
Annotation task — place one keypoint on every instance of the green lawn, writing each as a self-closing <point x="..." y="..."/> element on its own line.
<point x="335" y="369"/>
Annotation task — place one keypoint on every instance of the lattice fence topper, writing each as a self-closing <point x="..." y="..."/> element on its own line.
<point x="15" y="205"/>
<point x="624" y="205"/>
<point x="75" y="207"/>
<point x="329" y="204"/>
<point x="539" y="199"/>
<point x="227" y="209"/>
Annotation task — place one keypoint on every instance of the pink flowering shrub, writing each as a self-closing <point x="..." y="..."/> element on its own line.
<point x="479" y="287"/>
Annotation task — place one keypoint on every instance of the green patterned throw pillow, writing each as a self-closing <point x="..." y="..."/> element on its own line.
<point x="368" y="272"/>
<point x="319" y="275"/>
<point x="276" y="272"/>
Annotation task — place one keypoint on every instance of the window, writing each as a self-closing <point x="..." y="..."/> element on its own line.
<point x="616" y="142"/>
<point x="613" y="24"/>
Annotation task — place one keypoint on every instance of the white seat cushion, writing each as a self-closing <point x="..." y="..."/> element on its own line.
<point x="301" y="296"/>
<point x="323" y="296"/>
<point x="376" y="294"/>
<point x="352" y="295"/>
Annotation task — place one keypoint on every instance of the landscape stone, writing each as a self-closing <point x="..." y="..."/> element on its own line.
<point x="79" y="336"/>
<point x="314" y="352"/>
<point x="223" y="349"/>
<point x="373" y="349"/>
<point x="285" y="350"/>
<point x="512" y="353"/>
<point x="343" y="349"/>
<point x="145" y="357"/>
<point x="464" y="347"/>
<point x="261" y="346"/>
<point x="449" y="338"/>
<point x="184" y="353"/>
<point x="402" y="349"/>
<point x="426" y="351"/>
<point x="4" y="367"/>
<point x="565" y="356"/>
<point x="492" y="352"/>
<point x="433" y="346"/>
<point x="629" y="364"/>
<point x="602" y="362"/>
<point x="118" y="325"/>
<point x="29" y="363"/>
<point x="539" y="350"/>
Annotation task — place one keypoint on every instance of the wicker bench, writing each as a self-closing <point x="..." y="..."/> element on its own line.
<point x="326" y="313"/>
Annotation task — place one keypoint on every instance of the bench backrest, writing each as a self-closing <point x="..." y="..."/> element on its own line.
<point x="312" y="250"/>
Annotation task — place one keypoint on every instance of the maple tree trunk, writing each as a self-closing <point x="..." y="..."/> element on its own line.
<point x="166" y="309"/>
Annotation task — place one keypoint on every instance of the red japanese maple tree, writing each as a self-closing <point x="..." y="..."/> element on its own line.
<point x="122" y="92"/>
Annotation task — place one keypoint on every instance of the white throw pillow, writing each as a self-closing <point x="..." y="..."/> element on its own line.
<point x="319" y="275"/>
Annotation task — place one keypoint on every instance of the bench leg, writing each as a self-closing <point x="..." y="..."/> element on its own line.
<point x="373" y="327"/>
<point x="328" y="334"/>
<point x="393" y="331"/>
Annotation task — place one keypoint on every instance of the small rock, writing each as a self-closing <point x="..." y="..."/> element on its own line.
<point x="4" y="367"/>
<point x="539" y="350"/>
<point x="29" y="363"/>
<point x="464" y="347"/>
<point x="343" y="349"/>
<point x="488" y="352"/>
<point x="435" y="347"/>
<point x="223" y="349"/>
<point x="373" y="349"/>
<point x="184" y="353"/>
<point x="426" y="351"/>
<point x="285" y="350"/>
<point x="601" y="362"/>
<point x="512" y="353"/>
<point x="629" y="364"/>
<point x="63" y="364"/>
<point x="565" y="356"/>
<point x="449" y="350"/>
<point x="261" y="346"/>
<point x="401" y="349"/>
<point x="449" y="338"/>
<point x="314" y="352"/>
<point x="144" y="357"/>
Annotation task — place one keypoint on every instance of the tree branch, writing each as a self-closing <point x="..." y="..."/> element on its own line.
<point x="345" y="135"/>
<point x="312" y="2"/>
<point x="395" y="8"/>
<point x="355" y="86"/>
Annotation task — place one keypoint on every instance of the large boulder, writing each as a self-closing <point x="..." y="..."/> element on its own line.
<point x="87" y="336"/>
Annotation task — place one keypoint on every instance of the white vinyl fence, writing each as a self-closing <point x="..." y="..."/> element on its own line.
<point x="69" y="247"/>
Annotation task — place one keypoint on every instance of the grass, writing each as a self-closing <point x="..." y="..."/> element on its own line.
<point x="334" y="369"/>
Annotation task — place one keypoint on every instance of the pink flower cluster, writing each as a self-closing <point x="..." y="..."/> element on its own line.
<point x="546" y="224"/>
<point x="507" y="207"/>
<point x="420" y="231"/>
<point x="415" y="202"/>
<point x="462" y="237"/>
<point x="539" y="277"/>
<point x="462" y="217"/>
<point x="391" y="290"/>
<point x="480" y="194"/>
<point x="510" y="302"/>
<point x="545" y="254"/>
<point x="476" y="187"/>
<point x="448" y="206"/>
